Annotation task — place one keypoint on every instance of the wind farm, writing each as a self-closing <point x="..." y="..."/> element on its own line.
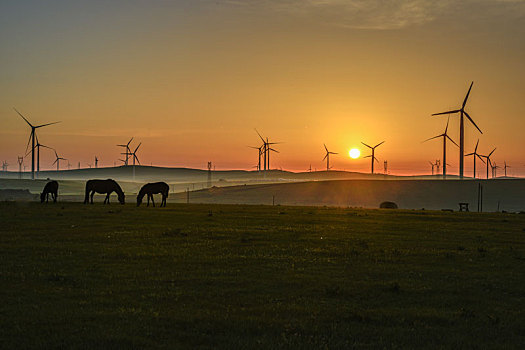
<point x="262" y="174"/>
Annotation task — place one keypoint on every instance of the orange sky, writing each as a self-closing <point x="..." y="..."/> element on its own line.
<point x="192" y="79"/>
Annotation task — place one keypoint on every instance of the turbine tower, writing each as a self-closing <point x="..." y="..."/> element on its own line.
<point x="462" y="113"/>
<point x="373" y="154"/>
<point x="96" y="162"/>
<point x="327" y="157"/>
<point x="445" y="137"/>
<point x="31" y="140"/>
<point x="475" y="155"/>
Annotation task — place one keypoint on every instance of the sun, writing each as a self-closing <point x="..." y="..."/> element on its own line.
<point x="354" y="153"/>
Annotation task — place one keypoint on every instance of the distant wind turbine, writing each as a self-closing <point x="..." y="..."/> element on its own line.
<point x="505" y="167"/>
<point x="489" y="163"/>
<point x="462" y="113"/>
<point x="31" y="140"/>
<point x="445" y="136"/>
<point x="127" y="150"/>
<point x="327" y="157"/>
<point x="373" y="154"/>
<point x="475" y="155"/>
<point x="57" y="160"/>
<point x="134" y="156"/>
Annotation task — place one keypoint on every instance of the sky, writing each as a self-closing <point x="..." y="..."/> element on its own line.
<point x="191" y="80"/>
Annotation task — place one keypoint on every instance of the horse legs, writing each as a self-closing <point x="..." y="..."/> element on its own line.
<point x="163" y="203"/>
<point x="148" y="199"/>
<point x="152" y="201"/>
<point x="107" y="199"/>
<point x="92" y="194"/>
<point x="55" y="195"/>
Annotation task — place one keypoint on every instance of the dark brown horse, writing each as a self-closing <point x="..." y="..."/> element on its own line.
<point x="50" y="188"/>
<point x="151" y="189"/>
<point x="103" y="186"/>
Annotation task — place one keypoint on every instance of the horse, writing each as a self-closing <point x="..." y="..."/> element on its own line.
<point x="50" y="187"/>
<point x="151" y="189"/>
<point x="103" y="186"/>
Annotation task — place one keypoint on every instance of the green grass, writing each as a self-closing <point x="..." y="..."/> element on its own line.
<point x="230" y="276"/>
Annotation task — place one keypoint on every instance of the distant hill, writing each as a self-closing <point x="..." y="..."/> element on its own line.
<point x="200" y="176"/>
<point x="409" y="194"/>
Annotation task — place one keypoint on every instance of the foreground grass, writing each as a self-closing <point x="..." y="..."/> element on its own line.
<point x="224" y="276"/>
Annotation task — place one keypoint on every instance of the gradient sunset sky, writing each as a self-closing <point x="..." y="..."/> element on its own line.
<point x="192" y="79"/>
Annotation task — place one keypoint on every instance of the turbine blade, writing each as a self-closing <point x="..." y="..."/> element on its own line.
<point x="449" y="112"/>
<point x="260" y="136"/>
<point x="448" y="137"/>
<point x="137" y="147"/>
<point x="366" y="145"/>
<point x="469" y="154"/>
<point x="476" y="148"/>
<point x="466" y="97"/>
<point x="325" y="147"/>
<point x="446" y="128"/>
<point x="40" y="126"/>
<point x="379" y="144"/>
<point x="20" y="114"/>
<point x="129" y="141"/>
<point x="325" y="156"/>
<point x="480" y="158"/>
<point x="492" y="152"/>
<point x="29" y="141"/>
<point x="435" y="137"/>
<point x="469" y="118"/>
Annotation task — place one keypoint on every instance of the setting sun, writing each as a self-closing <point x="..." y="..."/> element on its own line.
<point x="354" y="153"/>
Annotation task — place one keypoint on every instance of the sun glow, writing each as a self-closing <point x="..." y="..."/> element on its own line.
<point x="354" y="153"/>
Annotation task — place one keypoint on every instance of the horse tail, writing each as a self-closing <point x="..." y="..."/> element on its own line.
<point x="88" y="188"/>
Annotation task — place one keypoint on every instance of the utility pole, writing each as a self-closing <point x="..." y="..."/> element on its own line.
<point x="20" y="162"/>
<point x="209" y="174"/>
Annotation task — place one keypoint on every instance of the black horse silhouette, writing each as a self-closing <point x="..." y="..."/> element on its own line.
<point x="151" y="189"/>
<point x="103" y="186"/>
<point x="50" y="188"/>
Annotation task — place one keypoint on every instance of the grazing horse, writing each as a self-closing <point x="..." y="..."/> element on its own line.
<point x="103" y="186"/>
<point x="50" y="187"/>
<point x="151" y="189"/>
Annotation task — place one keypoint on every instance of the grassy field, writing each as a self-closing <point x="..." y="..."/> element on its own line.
<point x="232" y="276"/>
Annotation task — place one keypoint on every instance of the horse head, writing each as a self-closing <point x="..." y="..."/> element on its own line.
<point x="121" y="198"/>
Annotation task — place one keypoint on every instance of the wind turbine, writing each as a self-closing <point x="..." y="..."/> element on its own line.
<point x="494" y="170"/>
<point x="327" y="157"/>
<point x="462" y="113"/>
<point x="31" y="140"/>
<point x="128" y="151"/>
<point x="445" y="137"/>
<point x="260" y="153"/>
<point x="57" y="160"/>
<point x="4" y="166"/>
<point x="37" y="146"/>
<point x="134" y="156"/>
<point x="505" y="167"/>
<point x="267" y="149"/>
<point x="373" y="153"/>
<point x="489" y="163"/>
<point x="475" y="155"/>
<point x="433" y="165"/>
<point x="96" y="162"/>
